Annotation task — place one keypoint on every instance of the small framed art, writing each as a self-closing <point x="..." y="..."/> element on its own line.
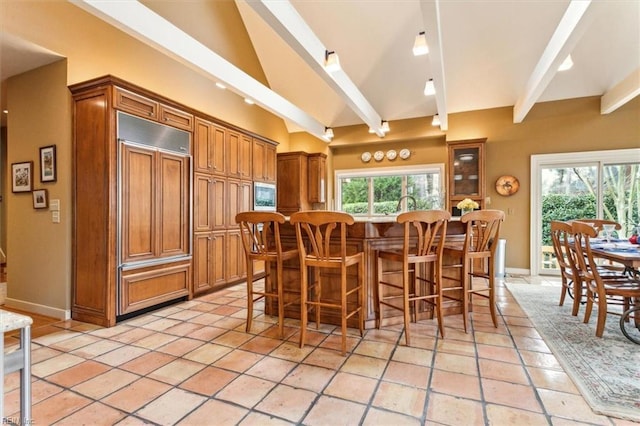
<point x="40" y="199"/>
<point x="22" y="176"/>
<point x="48" y="171"/>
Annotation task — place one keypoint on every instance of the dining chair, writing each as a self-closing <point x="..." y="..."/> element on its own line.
<point x="604" y="293"/>
<point x="600" y="225"/>
<point x="416" y="268"/>
<point x="261" y="242"/>
<point x="565" y="257"/>
<point x="322" y="247"/>
<point x="475" y="259"/>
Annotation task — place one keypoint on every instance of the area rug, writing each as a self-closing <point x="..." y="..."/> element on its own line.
<point x="606" y="370"/>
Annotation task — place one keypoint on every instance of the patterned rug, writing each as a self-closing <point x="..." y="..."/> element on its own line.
<point x="606" y="370"/>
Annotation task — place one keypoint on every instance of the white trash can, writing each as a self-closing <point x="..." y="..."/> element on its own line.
<point x="500" y="258"/>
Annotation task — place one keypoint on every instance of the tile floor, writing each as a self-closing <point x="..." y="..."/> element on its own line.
<point x="193" y="364"/>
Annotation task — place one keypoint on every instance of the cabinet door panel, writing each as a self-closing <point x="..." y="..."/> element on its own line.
<point x="136" y="104"/>
<point x="219" y="160"/>
<point x="219" y="257"/>
<point x="233" y="154"/>
<point x="246" y="157"/>
<point x="138" y="207"/>
<point x="202" y="147"/>
<point x="219" y="187"/>
<point x="270" y="163"/>
<point x="235" y="261"/>
<point x="259" y="152"/>
<point x="173" y="207"/>
<point x="176" y="118"/>
<point x="202" y="262"/>
<point x="202" y="203"/>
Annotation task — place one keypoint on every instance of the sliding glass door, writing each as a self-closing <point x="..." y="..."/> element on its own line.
<point x="603" y="184"/>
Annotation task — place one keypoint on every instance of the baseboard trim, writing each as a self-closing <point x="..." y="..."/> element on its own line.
<point x="517" y="271"/>
<point x="36" y="308"/>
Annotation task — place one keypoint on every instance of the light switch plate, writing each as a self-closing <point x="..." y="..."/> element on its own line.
<point x="54" y="205"/>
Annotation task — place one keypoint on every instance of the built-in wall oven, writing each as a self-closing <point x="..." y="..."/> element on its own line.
<point x="264" y="196"/>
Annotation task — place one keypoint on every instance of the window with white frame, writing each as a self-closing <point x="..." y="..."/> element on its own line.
<point x="383" y="191"/>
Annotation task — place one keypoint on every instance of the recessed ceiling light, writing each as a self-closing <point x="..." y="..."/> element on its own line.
<point x="331" y="61"/>
<point x="429" y="88"/>
<point x="420" y="46"/>
<point x="220" y="86"/>
<point x="436" y="120"/>
<point x="249" y="101"/>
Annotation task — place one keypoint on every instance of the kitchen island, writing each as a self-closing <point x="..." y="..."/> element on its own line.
<point x="368" y="235"/>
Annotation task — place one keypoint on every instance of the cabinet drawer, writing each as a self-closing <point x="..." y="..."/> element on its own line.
<point x="144" y="287"/>
<point x="136" y="104"/>
<point x="176" y="118"/>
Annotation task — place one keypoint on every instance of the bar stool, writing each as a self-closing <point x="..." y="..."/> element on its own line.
<point x="261" y="242"/>
<point x="422" y="246"/>
<point x="328" y="251"/>
<point x="482" y="230"/>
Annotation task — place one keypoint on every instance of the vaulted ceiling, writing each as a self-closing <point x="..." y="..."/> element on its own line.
<point x="483" y="54"/>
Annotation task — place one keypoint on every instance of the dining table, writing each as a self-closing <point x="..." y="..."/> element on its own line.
<point x="627" y="254"/>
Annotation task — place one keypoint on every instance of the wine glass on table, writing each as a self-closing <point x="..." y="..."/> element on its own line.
<point x="608" y="231"/>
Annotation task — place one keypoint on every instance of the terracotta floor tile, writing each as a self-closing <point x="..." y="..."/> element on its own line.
<point x="147" y="363"/>
<point x="55" y="364"/>
<point x="530" y="344"/>
<point x="94" y="414"/>
<point x="400" y="398"/>
<point x="185" y="314"/>
<point x="498" y="414"/>
<point x="238" y="360"/>
<point x="106" y="383"/>
<point x="183" y="329"/>
<point x="155" y="341"/>
<point x="386" y="336"/>
<point x="374" y="349"/>
<point x="333" y="411"/>
<point x="133" y="335"/>
<point x="270" y="368"/>
<point x="335" y="342"/>
<point x="456" y="364"/>
<point x="171" y="406"/>
<point x="498" y="353"/>
<point x="96" y="349"/>
<point x="121" y="355"/>
<point x="291" y="352"/>
<point x="180" y="346"/>
<point x="233" y="339"/>
<point x="136" y="394"/>
<point x="78" y="373"/>
<point x="414" y="356"/>
<point x="61" y="405"/>
<point x="229" y="323"/>
<point x="74" y="343"/>
<point x="510" y="394"/>
<point x="351" y="387"/>
<point x="552" y="380"/>
<point x="58" y="336"/>
<point x="246" y="391"/>
<point x="308" y="377"/>
<point x="261" y="345"/>
<point x="208" y="353"/>
<point x="376" y="417"/>
<point x="542" y="360"/>
<point x="258" y="419"/>
<point x="109" y="332"/>
<point x="524" y="332"/>
<point x="208" y="381"/>
<point x="451" y="410"/>
<point x="504" y="371"/>
<point x="457" y="347"/>
<point x="206" y="333"/>
<point x="570" y="406"/>
<point x="456" y="384"/>
<point x="407" y="374"/>
<point x="39" y="354"/>
<point x="223" y="413"/>
<point x="364" y="366"/>
<point x="206" y="319"/>
<point x="40" y="390"/>
<point x="176" y="371"/>
<point x="287" y="402"/>
<point x="489" y="338"/>
<point x="325" y="358"/>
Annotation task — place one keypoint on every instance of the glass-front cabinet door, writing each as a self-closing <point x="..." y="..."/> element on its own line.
<point x="466" y="173"/>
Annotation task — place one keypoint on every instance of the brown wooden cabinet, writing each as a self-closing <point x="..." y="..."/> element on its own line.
<point x="264" y="161"/>
<point x="301" y="181"/>
<point x="210" y="148"/>
<point x="317" y="177"/>
<point x="466" y="173"/>
<point x="131" y="204"/>
<point x="143" y="106"/>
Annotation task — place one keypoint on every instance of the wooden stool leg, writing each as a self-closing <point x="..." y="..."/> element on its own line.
<point x="318" y="294"/>
<point x="303" y="304"/>
<point x="361" y="296"/>
<point x="280" y="287"/>
<point x="379" y="312"/>
<point x="249" y="294"/>
<point x="405" y="304"/>
<point x="343" y="307"/>
<point x="466" y="286"/>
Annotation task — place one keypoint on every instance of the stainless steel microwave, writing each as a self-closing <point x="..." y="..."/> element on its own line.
<point x="264" y="196"/>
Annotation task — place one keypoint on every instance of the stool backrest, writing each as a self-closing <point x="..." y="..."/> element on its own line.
<point x="319" y="227"/>
<point x="260" y="233"/>
<point x="424" y="232"/>
<point x="482" y="230"/>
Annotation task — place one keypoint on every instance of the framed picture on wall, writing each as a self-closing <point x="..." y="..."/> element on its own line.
<point x="22" y="176"/>
<point x="40" y="199"/>
<point x="48" y="171"/>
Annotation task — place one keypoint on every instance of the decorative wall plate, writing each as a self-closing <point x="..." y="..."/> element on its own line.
<point x="405" y="153"/>
<point x="378" y="155"/>
<point x="507" y="185"/>
<point x="391" y="154"/>
<point x="366" y="157"/>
